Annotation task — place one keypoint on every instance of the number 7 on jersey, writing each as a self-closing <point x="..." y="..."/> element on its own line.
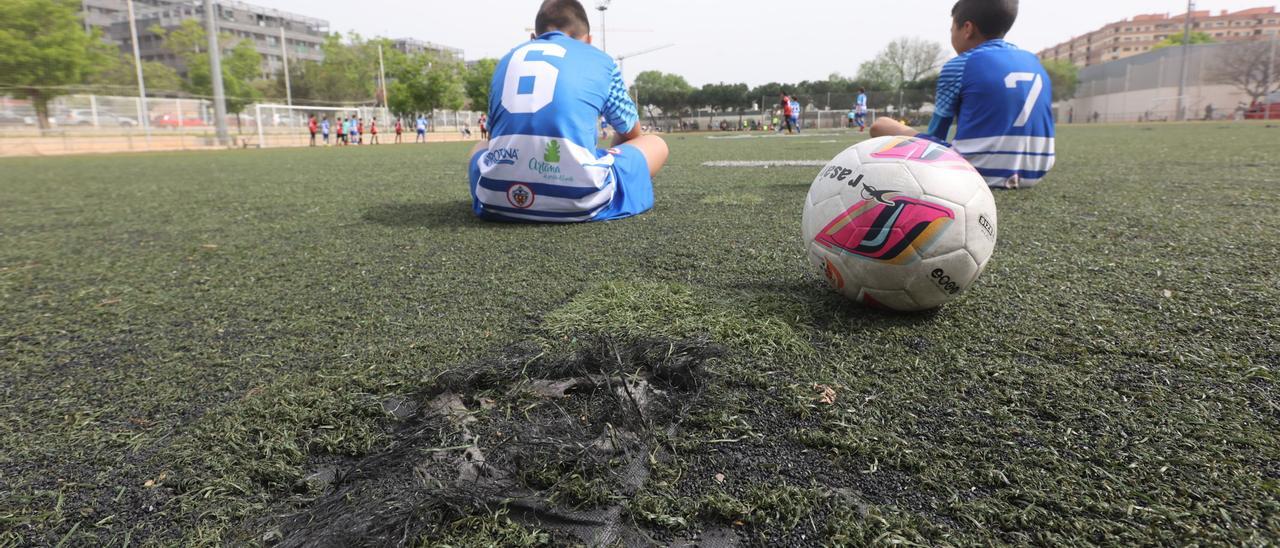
<point x="1037" y="85"/>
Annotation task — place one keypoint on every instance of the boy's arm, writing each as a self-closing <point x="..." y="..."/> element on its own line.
<point x="620" y="111"/>
<point x="947" y="102"/>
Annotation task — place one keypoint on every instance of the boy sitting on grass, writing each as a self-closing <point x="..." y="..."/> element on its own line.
<point x="999" y="97"/>
<point x="541" y="163"/>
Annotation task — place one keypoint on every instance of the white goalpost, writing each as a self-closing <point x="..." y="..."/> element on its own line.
<point x="286" y="126"/>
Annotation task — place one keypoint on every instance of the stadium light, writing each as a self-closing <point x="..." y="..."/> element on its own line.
<point x="602" y="6"/>
<point x="1186" y="48"/>
<point x="143" y="111"/>
<point x="215" y="71"/>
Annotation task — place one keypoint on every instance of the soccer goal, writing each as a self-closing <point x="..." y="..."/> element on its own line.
<point x="286" y="126"/>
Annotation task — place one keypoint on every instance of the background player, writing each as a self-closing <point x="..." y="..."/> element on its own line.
<point x="785" y="104"/>
<point x="860" y="110"/>
<point x="795" y="114"/>
<point x="1000" y="94"/>
<point x="542" y="163"/>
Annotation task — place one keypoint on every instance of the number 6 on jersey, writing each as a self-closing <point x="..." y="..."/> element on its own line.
<point x="530" y="83"/>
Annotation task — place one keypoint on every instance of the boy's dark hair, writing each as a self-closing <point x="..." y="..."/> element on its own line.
<point x="993" y="18"/>
<point x="567" y="16"/>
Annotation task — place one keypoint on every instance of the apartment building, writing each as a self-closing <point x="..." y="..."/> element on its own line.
<point x="414" y="46"/>
<point x="1129" y="37"/>
<point x="303" y="36"/>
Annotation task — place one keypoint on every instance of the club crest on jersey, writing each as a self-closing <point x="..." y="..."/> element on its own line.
<point x="886" y="227"/>
<point x="520" y="196"/>
<point x="922" y="151"/>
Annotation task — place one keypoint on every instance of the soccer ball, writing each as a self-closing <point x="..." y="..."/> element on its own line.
<point x="900" y="223"/>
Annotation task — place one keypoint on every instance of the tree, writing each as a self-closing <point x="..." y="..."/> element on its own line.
<point x="348" y="73"/>
<point x="1176" y="40"/>
<point x="670" y="93"/>
<point x="240" y="66"/>
<point x="44" y="48"/>
<point x="424" y="82"/>
<point x="902" y="62"/>
<point x="118" y="75"/>
<point x="721" y="97"/>
<point x="1064" y="75"/>
<point x="478" y="81"/>
<point x="1251" y="67"/>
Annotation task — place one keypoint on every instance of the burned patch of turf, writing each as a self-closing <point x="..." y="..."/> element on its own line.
<point x="536" y="442"/>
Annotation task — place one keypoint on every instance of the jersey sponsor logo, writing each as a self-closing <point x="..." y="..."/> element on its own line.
<point x="502" y="157"/>
<point x="886" y="227"/>
<point x="922" y="151"/>
<point x="549" y="166"/>
<point x="520" y="196"/>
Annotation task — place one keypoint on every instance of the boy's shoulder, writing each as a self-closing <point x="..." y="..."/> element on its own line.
<point x="582" y="51"/>
<point x="990" y="49"/>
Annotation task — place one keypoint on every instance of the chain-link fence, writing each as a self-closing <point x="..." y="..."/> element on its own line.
<point x="818" y="111"/>
<point x="89" y="123"/>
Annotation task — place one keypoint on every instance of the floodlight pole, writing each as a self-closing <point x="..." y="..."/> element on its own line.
<point x="1271" y="78"/>
<point x="1186" y="50"/>
<point x="215" y="70"/>
<point x="382" y="81"/>
<point x="142" y="85"/>
<point x="602" y="7"/>
<point x="284" y="54"/>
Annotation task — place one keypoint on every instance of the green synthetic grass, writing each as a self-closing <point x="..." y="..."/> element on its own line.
<point x="183" y="337"/>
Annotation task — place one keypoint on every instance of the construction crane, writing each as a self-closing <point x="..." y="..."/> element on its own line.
<point x="622" y="58"/>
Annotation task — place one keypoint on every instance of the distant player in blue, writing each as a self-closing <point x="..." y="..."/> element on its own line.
<point x="541" y="163"/>
<point x="860" y="110"/>
<point x="795" y="114"/>
<point x="324" y="129"/>
<point x="998" y="96"/>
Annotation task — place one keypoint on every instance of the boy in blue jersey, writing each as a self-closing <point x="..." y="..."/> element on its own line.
<point x="860" y="110"/>
<point x="541" y="163"/>
<point x="998" y="96"/>
<point x="795" y="114"/>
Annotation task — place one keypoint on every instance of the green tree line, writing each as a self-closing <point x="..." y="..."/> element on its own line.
<point x="47" y="53"/>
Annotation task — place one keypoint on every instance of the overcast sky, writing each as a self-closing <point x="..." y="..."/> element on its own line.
<point x="752" y="41"/>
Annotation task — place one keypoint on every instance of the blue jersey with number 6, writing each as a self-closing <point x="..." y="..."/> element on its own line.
<point x="1000" y="99"/>
<point x="542" y="163"/>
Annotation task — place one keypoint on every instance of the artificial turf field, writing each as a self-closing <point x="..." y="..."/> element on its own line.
<point x="304" y="346"/>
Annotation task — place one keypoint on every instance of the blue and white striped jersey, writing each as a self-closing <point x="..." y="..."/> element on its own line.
<point x="795" y="108"/>
<point x="862" y="103"/>
<point x="546" y="97"/>
<point x="1000" y="99"/>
